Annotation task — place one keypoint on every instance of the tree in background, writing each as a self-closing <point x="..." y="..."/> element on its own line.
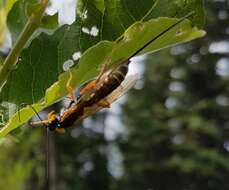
<point x="178" y="119"/>
<point x="177" y="129"/>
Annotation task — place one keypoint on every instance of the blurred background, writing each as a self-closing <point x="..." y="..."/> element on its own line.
<point x="171" y="132"/>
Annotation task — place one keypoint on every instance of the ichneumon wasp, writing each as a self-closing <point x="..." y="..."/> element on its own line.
<point x="97" y="93"/>
<point x="92" y="96"/>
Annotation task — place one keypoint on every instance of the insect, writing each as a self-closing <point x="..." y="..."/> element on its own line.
<point x="93" y="96"/>
<point x="96" y="94"/>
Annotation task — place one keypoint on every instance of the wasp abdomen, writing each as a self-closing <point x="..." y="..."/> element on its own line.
<point x="111" y="82"/>
<point x="119" y="74"/>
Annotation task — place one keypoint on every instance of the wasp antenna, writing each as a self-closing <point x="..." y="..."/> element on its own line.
<point x="162" y="33"/>
<point x="34" y="110"/>
<point x="39" y="117"/>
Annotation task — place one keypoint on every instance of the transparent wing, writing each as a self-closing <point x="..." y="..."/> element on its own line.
<point x="125" y="86"/>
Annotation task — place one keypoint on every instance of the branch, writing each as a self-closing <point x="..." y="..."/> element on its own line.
<point x="32" y="24"/>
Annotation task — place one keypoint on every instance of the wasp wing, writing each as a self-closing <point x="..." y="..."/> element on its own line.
<point x="125" y="86"/>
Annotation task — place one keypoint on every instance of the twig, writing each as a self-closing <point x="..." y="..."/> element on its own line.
<point x="32" y="24"/>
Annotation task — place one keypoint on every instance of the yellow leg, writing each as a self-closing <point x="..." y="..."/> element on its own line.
<point x="88" y="90"/>
<point x="70" y="89"/>
<point x="104" y="103"/>
<point x="102" y="71"/>
<point x="51" y="116"/>
<point x="45" y="122"/>
<point x="60" y="130"/>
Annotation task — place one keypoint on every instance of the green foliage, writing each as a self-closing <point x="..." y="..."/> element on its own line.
<point x="177" y="8"/>
<point x="5" y="7"/>
<point x="7" y="4"/>
<point x="132" y="23"/>
<point x="17" y="19"/>
<point x="176" y="126"/>
<point x="1" y="61"/>
<point x="49" y="21"/>
<point x="18" y="160"/>
<point x="178" y="134"/>
<point x="19" y="14"/>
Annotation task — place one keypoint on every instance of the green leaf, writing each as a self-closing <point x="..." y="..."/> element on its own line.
<point x="1" y="61"/>
<point x="43" y="60"/>
<point x="50" y="22"/>
<point x="5" y="6"/>
<point x="111" y="52"/>
<point x="19" y="14"/>
<point x="60" y="47"/>
<point x="8" y="5"/>
<point x="178" y="8"/>
<point x="17" y="17"/>
<point x="2" y="26"/>
<point x="16" y="20"/>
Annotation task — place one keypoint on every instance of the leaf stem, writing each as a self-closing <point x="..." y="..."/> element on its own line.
<point x="32" y="24"/>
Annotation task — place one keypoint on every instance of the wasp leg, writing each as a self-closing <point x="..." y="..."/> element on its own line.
<point x="103" y="103"/>
<point x="32" y="124"/>
<point x="88" y="89"/>
<point x="103" y="68"/>
<point x="43" y="122"/>
<point x="70" y="89"/>
<point x="60" y="130"/>
<point x="51" y="116"/>
<point x="23" y="105"/>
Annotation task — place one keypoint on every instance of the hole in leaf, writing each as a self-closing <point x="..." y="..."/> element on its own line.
<point x="76" y="56"/>
<point x="68" y="64"/>
<point x="93" y="31"/>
